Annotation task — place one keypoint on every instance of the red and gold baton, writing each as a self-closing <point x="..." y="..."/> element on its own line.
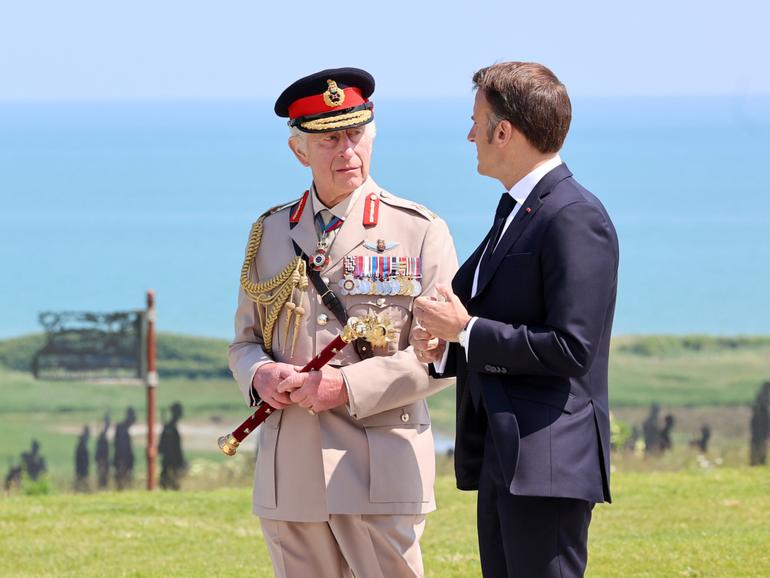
<point x="377" y="331"/>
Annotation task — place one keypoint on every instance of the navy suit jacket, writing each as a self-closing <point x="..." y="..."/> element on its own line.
<point x="539" y="350"/>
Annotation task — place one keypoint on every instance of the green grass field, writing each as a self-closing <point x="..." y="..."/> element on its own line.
<point x="694" y="524"/>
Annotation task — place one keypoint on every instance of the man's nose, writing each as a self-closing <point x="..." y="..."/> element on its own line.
<point x="347" y="146"/>
<point x="472" y="135"/>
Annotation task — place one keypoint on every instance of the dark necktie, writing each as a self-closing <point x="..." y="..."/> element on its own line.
<point x="504" y="208"/>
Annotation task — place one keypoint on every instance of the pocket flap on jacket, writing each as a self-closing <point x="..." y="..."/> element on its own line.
<point x="562" y="400"/>
<point x="414" y="414"/>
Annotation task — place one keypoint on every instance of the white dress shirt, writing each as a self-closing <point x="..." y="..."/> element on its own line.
<point x="520" y="192"/>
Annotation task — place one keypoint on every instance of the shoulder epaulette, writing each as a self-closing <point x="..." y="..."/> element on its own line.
<point x="278" y="208"/>
<point x="395" y="201"/>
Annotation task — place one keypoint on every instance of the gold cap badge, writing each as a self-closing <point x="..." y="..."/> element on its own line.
<point x="333" y="97"/>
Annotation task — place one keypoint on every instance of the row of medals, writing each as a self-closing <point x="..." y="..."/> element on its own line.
<point x="398" y="285"/>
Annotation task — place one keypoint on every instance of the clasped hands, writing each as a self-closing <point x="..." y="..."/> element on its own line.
<point x="281" y="385"/>
<point x="439" y="321"/>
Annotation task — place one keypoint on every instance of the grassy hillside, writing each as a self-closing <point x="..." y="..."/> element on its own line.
<point x="672" y="370"/>
<point x="178" y="355"/>
<point x="688" y="370"/>
<point x="662" y="524"/>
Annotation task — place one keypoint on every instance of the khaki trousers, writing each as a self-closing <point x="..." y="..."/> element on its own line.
<point x="348" y="545"/>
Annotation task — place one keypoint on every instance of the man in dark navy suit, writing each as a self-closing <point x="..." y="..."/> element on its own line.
<point x="528" y="322"/>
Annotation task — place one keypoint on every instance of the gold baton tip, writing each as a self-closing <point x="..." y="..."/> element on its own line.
<point x="228" y="444"/>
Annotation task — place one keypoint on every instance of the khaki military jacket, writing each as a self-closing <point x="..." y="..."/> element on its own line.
<point x="376" y="454"/>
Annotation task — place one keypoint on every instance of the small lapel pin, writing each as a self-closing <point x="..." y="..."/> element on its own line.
<point x="528" y="209"/>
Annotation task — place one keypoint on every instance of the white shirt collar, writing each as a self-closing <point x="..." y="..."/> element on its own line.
<point x="341" y="209"/>
<point x="521" y="190"/>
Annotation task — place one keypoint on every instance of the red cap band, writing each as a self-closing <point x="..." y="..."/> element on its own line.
<point x="312" y="105"/>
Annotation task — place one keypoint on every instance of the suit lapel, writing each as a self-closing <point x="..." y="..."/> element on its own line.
<point x="524" y="216"/>
<point x="462" y="284"/>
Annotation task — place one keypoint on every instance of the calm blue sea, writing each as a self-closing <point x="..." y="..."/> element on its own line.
<point x="100" y="201"/>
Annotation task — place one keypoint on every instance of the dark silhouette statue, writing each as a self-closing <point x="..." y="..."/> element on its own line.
<point x="173" y="464"/>
<point x="702" y="443"/>
<point x="651" y="430"/>
<point x="123" y="459"/>
<point x="630" y="443"/>
<point x="32" y="463"/>
<point x="760" y="426"/>
<point x="82" y="461"/>
<point x="664" y="437"/>
<point x="13" y="478"/>
<point x="102" y="456"/>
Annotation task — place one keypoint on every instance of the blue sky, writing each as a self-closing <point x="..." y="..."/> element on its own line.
<point x="196" y="49"/>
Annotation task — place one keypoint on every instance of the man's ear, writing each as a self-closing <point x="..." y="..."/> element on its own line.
<point x="300" y="151"/>
<point x="504" y="133"/>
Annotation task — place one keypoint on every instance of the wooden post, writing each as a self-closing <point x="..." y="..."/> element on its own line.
<point x="151" y="380"/>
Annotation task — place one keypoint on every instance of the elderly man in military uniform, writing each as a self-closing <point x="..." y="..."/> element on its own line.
<point x="345" y="469"/>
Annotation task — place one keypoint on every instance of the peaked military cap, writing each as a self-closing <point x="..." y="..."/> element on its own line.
<point x="333" y="99"/>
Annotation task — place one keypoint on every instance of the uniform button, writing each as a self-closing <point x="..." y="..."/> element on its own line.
<point x="404" y="417"/>
<point x="325" y="280"/>
<point x="381" y="302"/>
<point x="488" y="368"/>
<point x="503" y="370"/>
<point x="323" y="319"/>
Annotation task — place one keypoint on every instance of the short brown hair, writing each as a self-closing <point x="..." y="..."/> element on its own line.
<point x="531" y="98"/>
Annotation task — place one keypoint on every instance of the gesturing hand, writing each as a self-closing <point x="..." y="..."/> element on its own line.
<point x="317" y="390"/>
<point x="428" y="349"/>
<point x="442" y="319"/>
<point x="266" y="381"/>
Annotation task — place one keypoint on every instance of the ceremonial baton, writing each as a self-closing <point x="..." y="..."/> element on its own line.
<point x="378" y="331"/>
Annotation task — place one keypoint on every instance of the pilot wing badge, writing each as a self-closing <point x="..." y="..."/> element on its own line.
<point x="381" y="245"/>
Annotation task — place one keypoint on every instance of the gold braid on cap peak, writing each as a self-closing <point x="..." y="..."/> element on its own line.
<point x="284" y="290"/>
<point x="338" y="121"/>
